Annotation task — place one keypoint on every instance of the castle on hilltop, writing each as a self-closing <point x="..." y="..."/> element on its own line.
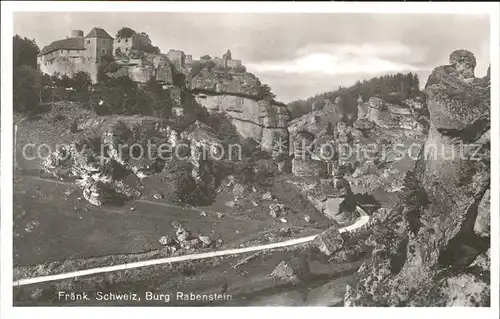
<point x="87" y="53"/>
<point x="76" y="53"/>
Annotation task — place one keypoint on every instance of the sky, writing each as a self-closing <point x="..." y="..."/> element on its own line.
<point x="299" y="55"/>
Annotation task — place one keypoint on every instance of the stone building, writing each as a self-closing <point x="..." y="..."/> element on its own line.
<point x="76" y="53"/>
<point x="227" y="62"/>
<point x="178" y="59"/>
<point x="123" y="46"/>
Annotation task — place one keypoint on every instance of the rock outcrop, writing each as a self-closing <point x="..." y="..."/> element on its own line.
<point x="329" y="241"/>
<point x="231" y="83"/>
<point x="388" y="116"/>
<point x="145" y="67"/>
<point x="263" y="121"/>
<point x="114" y="157"/>
<point x="302" y="162"/>
<point x="433" y="225"/>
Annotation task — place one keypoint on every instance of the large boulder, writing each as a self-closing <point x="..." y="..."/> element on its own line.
<point x="329" y="241"/>
<point x="293" y="271"/>
<point x="456" y="99"/>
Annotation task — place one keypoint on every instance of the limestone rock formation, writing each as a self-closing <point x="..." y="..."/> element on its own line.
<point x="483" y="222"/>
<point x="302" y="163"/>
<point x="293" y="271"/>
<point x="107" y="167"/>
<point x="456" y="99"/>
<point x="316" y="121"/>
<point x="433" y="225"/>
<point x="242" y="84"/>
<point x="145" y="67"/>
<point x="263" y="121"/>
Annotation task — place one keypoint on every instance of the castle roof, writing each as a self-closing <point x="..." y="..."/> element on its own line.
<point x="65" y="44"/>
<point x="98" y="33"/>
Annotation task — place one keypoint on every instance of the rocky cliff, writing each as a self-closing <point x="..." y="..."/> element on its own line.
<point x="425" y="250"/>
<point x="238" y="96"/>
<point x="231" y="83"/>
<point x="143" y="66"/>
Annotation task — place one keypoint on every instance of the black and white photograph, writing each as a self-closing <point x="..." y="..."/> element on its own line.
<point x="249" y="158"/>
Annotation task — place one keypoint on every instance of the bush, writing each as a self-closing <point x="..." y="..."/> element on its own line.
<point x="151" y="49"/>
<point x="196" y="67"/>
<point x="111" y="67"/>
<point x="27" y="85"/>
<point x="240" y="69"/>
<point x="25" y="52"/>
<point x="266" y="94"/>
<point x="122" y="96"/>
<point x="81" y="81"/>
<point x="125" y="32"/>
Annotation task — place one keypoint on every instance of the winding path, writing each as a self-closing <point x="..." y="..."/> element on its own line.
<point x="363" y="220"/>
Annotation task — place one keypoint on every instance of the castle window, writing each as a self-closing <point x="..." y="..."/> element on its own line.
<point x="119" y="40"/>
<point x="88" y="41"/>
<point x="126" y="40"/>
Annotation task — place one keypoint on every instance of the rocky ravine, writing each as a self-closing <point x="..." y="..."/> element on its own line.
<point x="427" y="251"/>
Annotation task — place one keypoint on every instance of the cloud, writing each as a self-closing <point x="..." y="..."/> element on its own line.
<point x="332" y="59"/>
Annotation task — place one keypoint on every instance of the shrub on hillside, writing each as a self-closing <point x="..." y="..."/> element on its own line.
<point x="122" y="96"/>
<point x="266" y="93"/>
<point x="24" y="52"/>
<point x="81" y="81"/>
<point x="125" y="32"/>
<point x="396" y="87"/>
<point x="240" y="69"/>
<point x="27" y="85"/>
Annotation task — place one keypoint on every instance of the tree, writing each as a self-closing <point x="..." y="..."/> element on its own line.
<point x="27" y="83"/>
<point x="25" y="52"/>
<point x="395" y="87"/>
<point x="125" y="32"/>
<point x="81" y="81"/>
<point x="266" y="93"/>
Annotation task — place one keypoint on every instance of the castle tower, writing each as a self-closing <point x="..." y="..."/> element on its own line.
<point x="98" y="43"/>
<point x="76" y="33"/>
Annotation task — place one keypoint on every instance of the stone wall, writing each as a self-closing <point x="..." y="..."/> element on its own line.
<point x="122" y="46"/>
<point x="68" y="65"/>
<point x="97" y="48"/>
<point x="233" y="64"/>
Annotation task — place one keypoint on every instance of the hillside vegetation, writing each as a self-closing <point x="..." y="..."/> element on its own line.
<point x="393" y="89"/>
